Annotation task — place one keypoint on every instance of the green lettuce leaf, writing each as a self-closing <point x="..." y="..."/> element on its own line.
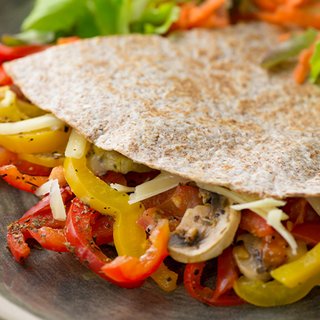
<point x="289" y="49"/>
<point x="88" y="18"/>
<point x="28" y="37"/>
<point x="54" y="15"/>
<point x="315" y="64"/>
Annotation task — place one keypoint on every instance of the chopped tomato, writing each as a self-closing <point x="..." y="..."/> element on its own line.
<point x="128" y="268"/>
<point x="175" y="201"/>
<point x="21" y="181"/>
<point x="307" y="232"/>
<point x="255" y="224"/>
<point x="136" y="178"/>
<point x="223" y="295"/>
<point x="114" y="177"/>
<point x="79" y="234"/>
<point x="296" y="209"/>
<point x="151" y="216"/>
<point x="274" y="250"/>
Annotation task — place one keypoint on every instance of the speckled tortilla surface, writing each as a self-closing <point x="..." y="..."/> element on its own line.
<point x="196" y="104"/>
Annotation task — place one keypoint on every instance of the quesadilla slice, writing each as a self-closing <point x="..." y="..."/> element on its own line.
<point x="223" y="145"/>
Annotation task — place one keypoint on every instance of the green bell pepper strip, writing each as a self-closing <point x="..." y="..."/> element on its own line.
<point x="272" y="293"/>
<point x="129" y="238"/>
<point x="299" y="271"/>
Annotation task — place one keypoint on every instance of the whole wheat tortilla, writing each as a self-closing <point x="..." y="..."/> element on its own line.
<point x="196" y="104"/>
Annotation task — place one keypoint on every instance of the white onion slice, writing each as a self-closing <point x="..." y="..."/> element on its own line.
<point x="56" y="202"/>
<point x="42" y="122"/>
<point x="76" y="146"/>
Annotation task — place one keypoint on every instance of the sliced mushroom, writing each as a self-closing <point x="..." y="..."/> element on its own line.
<point x="248" y="256"/>
<point x="204" y="232"/>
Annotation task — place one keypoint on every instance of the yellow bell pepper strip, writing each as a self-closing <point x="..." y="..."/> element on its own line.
<point x="128" y="268"/>
<point x="29" y="109"/>
<point x="78" y="232"/>
<point x="35" y="142"/>
<point x="129" y="238"/>
<point x="299" y="271"/>
<point x="165" y="278"/>
<point x="24" y="182"/>
<point x="272" y="293"/>
<point x="49" y="160"/>
<point x="9" y="110"/>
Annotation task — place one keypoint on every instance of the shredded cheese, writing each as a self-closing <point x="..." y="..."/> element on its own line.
<point x="8" y="99"/>
<point x="264" y="203"/>
<point x="265" y="208"/>
<point x="44" y="189"/>
<point x="121" y="188"/>
<point x="38" y="123"/>
<point x="274" y="219"/>
<point x="76" y="146"/>
<point x="163" y="182"/>
<point x="56" y="202"/>
<point x="234" y="196"/>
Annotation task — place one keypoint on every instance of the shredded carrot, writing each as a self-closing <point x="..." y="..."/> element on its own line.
<point x="302" y="69"/>
<point x="211" y="13"/>
<point x="204" y="11"/>
<point x="302" y="13"/>
<point x="67" y="40"/>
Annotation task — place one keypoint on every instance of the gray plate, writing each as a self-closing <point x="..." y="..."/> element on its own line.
<point x="56" y="286"/>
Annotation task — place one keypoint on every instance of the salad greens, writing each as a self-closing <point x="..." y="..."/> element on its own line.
<point x="88" y="18"/>
<point x="315" y="64"/>
<point x="289" y="49"/>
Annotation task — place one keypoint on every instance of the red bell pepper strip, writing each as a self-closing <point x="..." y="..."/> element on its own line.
<point x="307" y="232"/>
<point x="21" y="181"/>
<point x="223" y="294"/>
<point x="5" y="80"/>
<point x="10" y="53"/>
<point x="79" y="235"/>
<point x="50" y="239"/>
<point x="255" y="224"/>
<point x="127" y="268"/>
<point x="36" y="217"/>
<point x="31" y="168"/>
<point x="102" y="230"/>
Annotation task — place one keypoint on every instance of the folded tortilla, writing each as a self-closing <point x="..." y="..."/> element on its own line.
<point x="196" y="104"/>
